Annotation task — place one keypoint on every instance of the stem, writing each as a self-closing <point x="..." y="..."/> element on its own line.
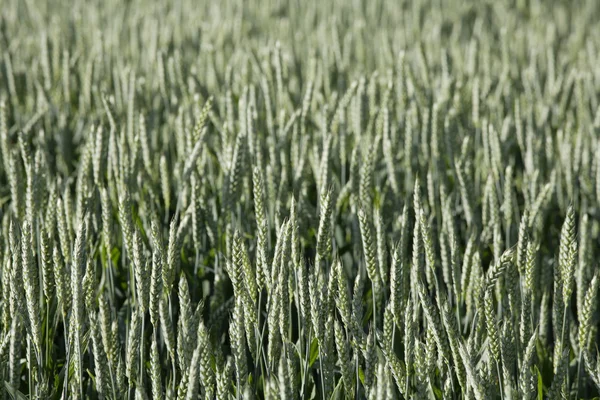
<point x="80" y="374"/>
<point x="173" y="356"/>
<point x="260" y="350"/>
<point x="237" y="386"/>
<point x="564" y="322"/>
<point x="578" y="379"/>
<point x="298" y="306"/>
<point x="562" y="339"/>
<point x="499" y="379"/>
<point x="174" y="375"/>
<point x="259" y="336"/>
<point x="407" y="380"/>
<point x="41" y="279"/>
<point x="307" y="359"/>
<point x="67" y="362"/>
<point x="141" y="372"/>
<point x="29" y="366"/>
<point x="47" y="351"/>
<point x="321" y="372"/>
<point x="112" y="379"/>
<point x="358" y="378"/>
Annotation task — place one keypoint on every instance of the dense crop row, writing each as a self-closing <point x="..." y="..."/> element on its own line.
<point x="300" y="199"/>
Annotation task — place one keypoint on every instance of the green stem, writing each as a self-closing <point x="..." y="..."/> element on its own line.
<point x="578" y="379"/>
<point x="306" y="361"/>
<point x="562" y="339"/>
<point x="141" y="372"/>
<point x="47" y="351"/>
<point x="499" y="380"/>
<point x="112" y="379"/>
<point x="29" y="367"/>
<point x="321" y="372"/>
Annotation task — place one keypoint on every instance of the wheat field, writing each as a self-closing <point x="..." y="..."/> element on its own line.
<point x="314" y="199"/>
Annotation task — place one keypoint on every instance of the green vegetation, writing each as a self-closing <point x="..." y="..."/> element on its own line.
<point x="299" y="199"/>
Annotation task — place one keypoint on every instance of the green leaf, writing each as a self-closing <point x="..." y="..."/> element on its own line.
<point x="4" y="200"/>
<point x="184" y="258"/>
<point x="337" y="392"/>
<point x="314" y="352"/>
<point x="361" y="375"/>
<point x="13" y="392"/>
<point x="540" y="390"/>
<point x="115" y="255"/>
